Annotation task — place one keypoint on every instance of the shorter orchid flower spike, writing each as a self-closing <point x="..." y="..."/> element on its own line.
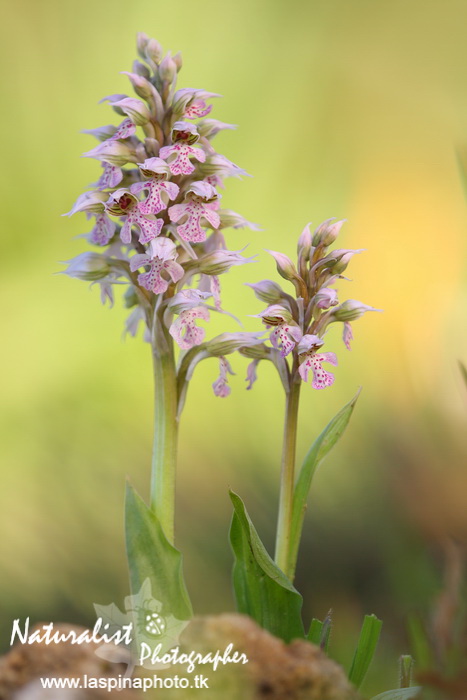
<point x="123" y="203"/>
<point x="178" y="155"/>
<point x="286" y="333"/>
<point x="220" y="386"/>
<point x="159" y="191"/>
<point x="200" y="205"/>
<point x="313" y="361"/>
<point x="184" y="330"/>
<point x="160" y="258"/>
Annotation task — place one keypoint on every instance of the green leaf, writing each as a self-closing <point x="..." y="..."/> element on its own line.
<point x="366" y="648"/>
<point x="315" y="632"/>
<point x="420" y="642"/>
<point x="151" y="556"/>
<point x="262" y="590"/>
<point x="399" y="694"/>
<point x="318" y="451"/>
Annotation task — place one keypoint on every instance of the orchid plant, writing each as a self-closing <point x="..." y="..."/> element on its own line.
<point x="158" y="230"/>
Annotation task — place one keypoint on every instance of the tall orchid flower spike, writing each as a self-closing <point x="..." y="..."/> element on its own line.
<point x="161" y="259"/>
<point x="165" y="238"/>
<point x="220" y="386"/>
<point x="198" y="209"/>
<point x="123" y="203"/>
<point x="179" y="154"/>
<point x="159" y="190"/>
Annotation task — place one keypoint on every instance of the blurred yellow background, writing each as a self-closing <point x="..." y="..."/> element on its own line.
<point x="346" y="109"/>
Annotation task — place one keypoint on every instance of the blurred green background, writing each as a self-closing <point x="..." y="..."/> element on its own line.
<point x="346" y="109"/>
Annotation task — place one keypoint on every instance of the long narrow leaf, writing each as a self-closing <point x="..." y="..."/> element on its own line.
<point x="262" y="590"/>
<point x="399" y="694"/>
<point x="315" y="632"/>
<point x="151" y="556"/>
<point x="366" y="648"/>
<point x="318" y="451"/>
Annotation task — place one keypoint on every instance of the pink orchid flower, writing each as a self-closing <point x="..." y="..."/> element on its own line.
<point x="123" y="203"/>
<point x="200" y="205"/>
<point x="161" y="257"/>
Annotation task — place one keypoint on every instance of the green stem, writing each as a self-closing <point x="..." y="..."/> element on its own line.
<point x="287" y="483"/>
<point x="164" y="457"/>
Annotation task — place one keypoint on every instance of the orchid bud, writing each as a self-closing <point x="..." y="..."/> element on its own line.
<point x="141" y="85"/>
<point x="167" y="68"/>
<point x="141" y="43"/>
<point x="304" y="243"/>
<point x="188" y="299"/>
<point x="285" y="266"/>
<point x="113" y="152"/>
<point x="141" y="69"/>
<point x="230" y="219"/>
<point x="177" y="59"/>
<point x="350" y="310"/>
<point x="153" y="51"/>
<point x="88" y="266"/>
<point x="268" y="291"/>
<point x="113" y="99"/>
<point x="134" y="110"/>
<point x="326" y="233"/>
<point x="343" y="258"/>
<point x="220" y="261"/>
<point x="227" y="343"/>
<point x="91" y="202"/>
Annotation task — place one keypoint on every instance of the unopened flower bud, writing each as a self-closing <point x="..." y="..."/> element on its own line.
<point x="141" y="43"/>
<point x="227" y="343"/>
<point x="134" y="110"/>
<point x="230" y="219"/>
<point x="88" y="266"/>
<point x="285" y="266"/>
<point x="326" y="233"/>
<point x="113" y="152"/>
<point x="141" y="85"/>
<point x="220" y="261"/>
<point x="268" y="291"/>
<point x="177" y="59"/>
<point x="350" y="310"/>
<point x="140" y="69"/>
<point x="167" y="68"/>
<point x="305" y="243"/>
<point x="91" y="202"/>
<point x="153" y="51"/>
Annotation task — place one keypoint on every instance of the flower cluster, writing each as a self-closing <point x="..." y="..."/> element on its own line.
<point x="156" y="209"/>
<point x="298" y="323"/>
